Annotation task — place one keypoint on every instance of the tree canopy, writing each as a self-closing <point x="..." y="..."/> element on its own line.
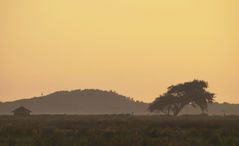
<point x="180" y="95"/>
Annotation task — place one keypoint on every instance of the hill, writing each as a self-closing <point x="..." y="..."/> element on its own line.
<point x="94" y="101"/>
<point x="88" y="101"/>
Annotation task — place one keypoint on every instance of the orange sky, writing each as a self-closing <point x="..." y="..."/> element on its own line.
<point x="135" y="47"/>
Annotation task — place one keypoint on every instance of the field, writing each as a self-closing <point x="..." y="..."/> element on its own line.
<point x="118" y="130"/>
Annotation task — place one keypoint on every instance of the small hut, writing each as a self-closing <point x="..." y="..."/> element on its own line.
<point x="21" y="111"/>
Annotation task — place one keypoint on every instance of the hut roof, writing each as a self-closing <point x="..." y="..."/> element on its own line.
<point x="21" y="108"/>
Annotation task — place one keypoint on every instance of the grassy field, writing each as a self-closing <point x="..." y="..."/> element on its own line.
<point x="119" y="130"/>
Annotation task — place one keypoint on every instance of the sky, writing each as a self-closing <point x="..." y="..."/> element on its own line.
<point x="135" y="47"/>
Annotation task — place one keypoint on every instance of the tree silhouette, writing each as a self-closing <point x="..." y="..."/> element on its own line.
<point x="180" y="95"/>
<point x="165" y="103"/>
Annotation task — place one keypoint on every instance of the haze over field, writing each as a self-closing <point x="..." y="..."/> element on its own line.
<point x="135" y="47"/>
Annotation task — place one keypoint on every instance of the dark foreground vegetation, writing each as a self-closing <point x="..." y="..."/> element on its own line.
<point x="119" y="130"/>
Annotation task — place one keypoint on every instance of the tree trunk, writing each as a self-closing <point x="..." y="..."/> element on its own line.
<point x="175" y="113"/>
<point x="177" y="110"/>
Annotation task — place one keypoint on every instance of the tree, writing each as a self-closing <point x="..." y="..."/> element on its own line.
<point x="180" y="95"/>
<point x="165" y="103"/>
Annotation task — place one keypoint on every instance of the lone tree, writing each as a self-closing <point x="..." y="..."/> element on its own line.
<point x="180" y="95"/>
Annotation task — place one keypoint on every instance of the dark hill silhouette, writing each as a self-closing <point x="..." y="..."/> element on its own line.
<point x="88" y="101"/>
<point x="93" y="101"/>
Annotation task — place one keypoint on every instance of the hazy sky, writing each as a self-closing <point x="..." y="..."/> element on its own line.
<point x="135" y="47"/>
